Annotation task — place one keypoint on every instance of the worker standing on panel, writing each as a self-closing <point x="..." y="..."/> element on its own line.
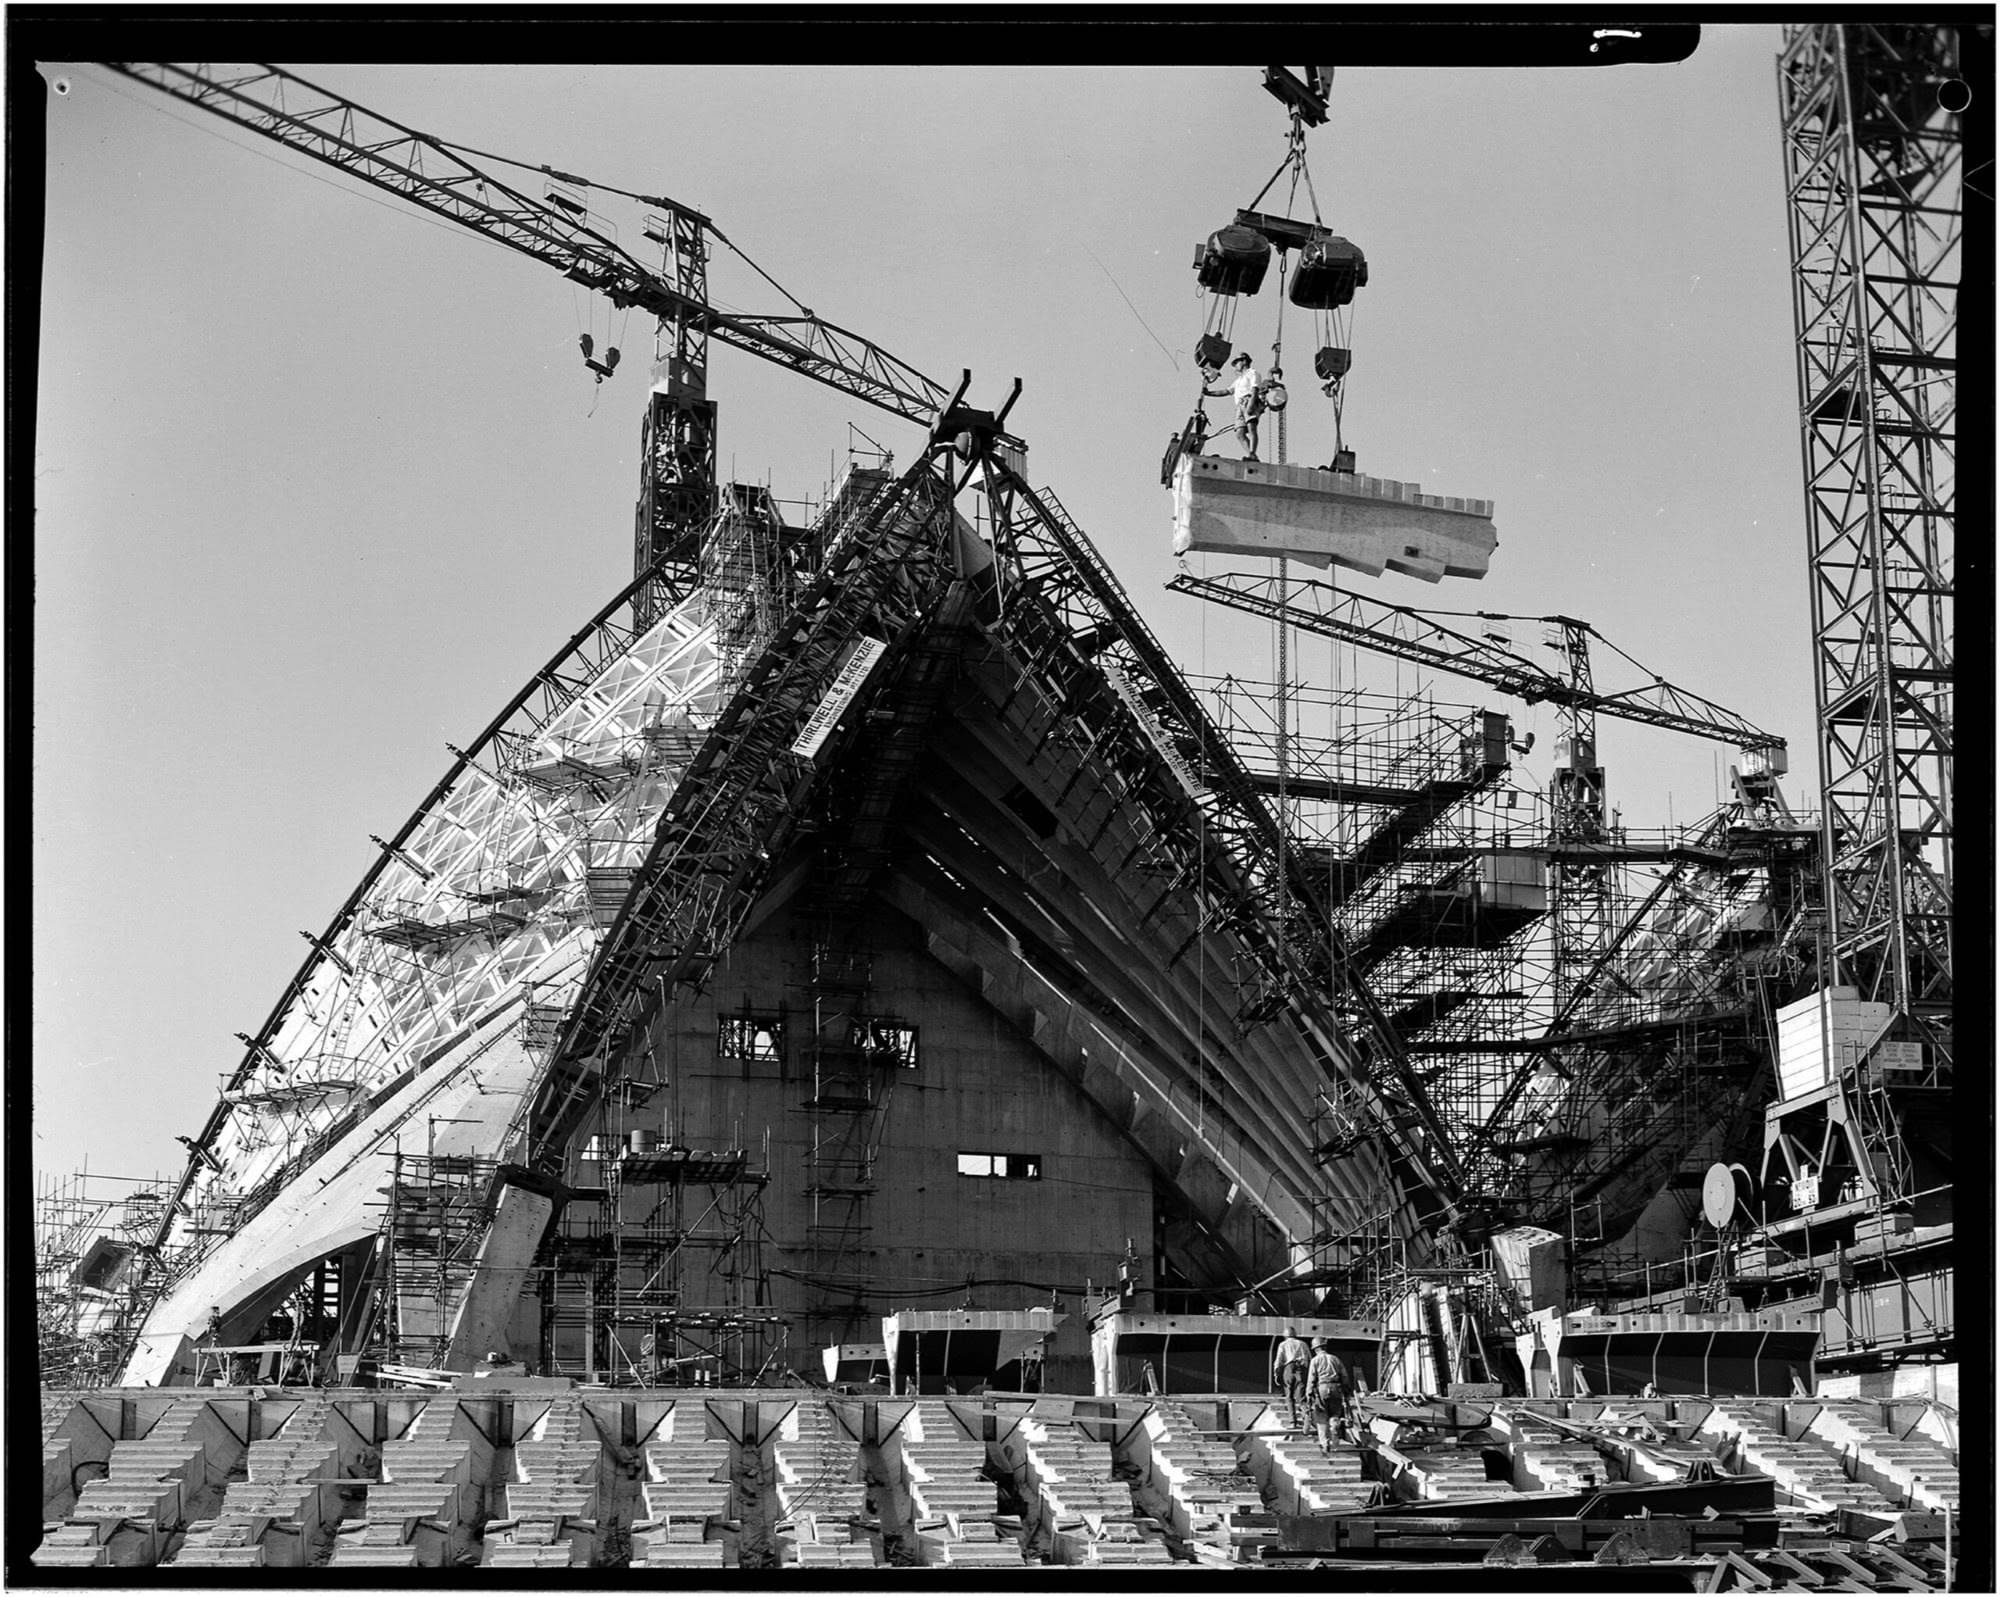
<point x="1326" y="1391"/>
<point x="1288" y="1370"/>
<point x="1247" y="391"/>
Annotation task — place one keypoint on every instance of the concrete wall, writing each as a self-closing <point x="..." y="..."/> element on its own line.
<point x="978" y="1086"/>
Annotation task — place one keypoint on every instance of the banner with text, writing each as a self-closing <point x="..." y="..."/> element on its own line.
<point x="861" y="657"/>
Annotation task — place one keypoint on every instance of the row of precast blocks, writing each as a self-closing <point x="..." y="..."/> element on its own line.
<point x="297" y="1478"/>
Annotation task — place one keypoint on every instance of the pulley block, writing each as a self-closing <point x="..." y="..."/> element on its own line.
<point x="1329" y="271"/>
<point x="1232" y="261"/>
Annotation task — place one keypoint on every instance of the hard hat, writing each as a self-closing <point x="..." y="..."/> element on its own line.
<point x="1240" y="360"/>
<point x="1319" y="1341"/>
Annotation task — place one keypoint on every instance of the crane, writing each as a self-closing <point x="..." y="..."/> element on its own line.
<point x="427" y="171"/>
<point x="1875" y="177"/>
<point x="678" y="434"/>
<point x="1420" y="636"/>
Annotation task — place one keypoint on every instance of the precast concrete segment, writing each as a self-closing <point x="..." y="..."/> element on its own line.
<point x="506" y="1255"/>
<point x="1322" y="518"/>
<point x="410" y="986"/>
<point x="465" y="1102"/>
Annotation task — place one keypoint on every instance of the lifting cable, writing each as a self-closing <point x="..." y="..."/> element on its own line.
<point x="708" y="225"/>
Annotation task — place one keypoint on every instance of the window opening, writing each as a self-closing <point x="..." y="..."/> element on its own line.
<point x="759" y="1039"/>
<point x="1002" y="1166"/>
<point x="883" y="1042"/>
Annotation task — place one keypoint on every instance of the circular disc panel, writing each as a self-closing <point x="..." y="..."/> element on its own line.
<point x="1718" y="1195"/>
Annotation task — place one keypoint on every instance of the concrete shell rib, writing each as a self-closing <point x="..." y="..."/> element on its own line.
<point x="403" y="1027"/>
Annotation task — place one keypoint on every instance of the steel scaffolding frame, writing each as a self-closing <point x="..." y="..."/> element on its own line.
<point x="87" y="1241"/>
<point x="1874" y="179"/>
<point x="1609" y="1068"/>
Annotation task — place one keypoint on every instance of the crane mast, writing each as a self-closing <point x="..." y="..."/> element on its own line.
<point x="1875" y="184"/>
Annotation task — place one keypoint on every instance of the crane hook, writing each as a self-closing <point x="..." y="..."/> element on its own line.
<point x="603" y="368"/>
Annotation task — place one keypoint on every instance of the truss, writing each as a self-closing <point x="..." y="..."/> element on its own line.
<point x="479" y="915"/>
<point x="1873" y="171"/>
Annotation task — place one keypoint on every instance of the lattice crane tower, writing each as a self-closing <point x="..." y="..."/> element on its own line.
<point x="1874" y="179"/>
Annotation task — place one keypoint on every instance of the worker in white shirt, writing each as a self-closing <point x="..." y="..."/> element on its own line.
<point x="1246" y="390"/>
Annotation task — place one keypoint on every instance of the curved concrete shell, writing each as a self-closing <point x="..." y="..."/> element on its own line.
<point x="951" y="763"/>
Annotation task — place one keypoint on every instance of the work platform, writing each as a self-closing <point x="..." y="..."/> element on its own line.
<point x="1366" y="524"/>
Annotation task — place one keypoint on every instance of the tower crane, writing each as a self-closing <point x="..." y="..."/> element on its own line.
<point x="678" y="435"/>
<point x="1874" y="145"/>
<point x="1427" y="637"/>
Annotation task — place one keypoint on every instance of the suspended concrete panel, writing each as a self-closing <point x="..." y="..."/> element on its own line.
<point x="1367" y="524"/>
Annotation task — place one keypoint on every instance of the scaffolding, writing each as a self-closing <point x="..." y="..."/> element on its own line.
<point x="655" y="1274"/>
<point x="749" y="578"/>
<point x="435" y="1212"/>
<point x="1587" y="1002"/>
<point x="89" y="1232"/>
<point x="852" y="1078"/>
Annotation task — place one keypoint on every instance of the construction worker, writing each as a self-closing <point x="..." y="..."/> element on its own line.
<point x="1247" y="391"/>
<point x="1326" y="1391"/>
<point x="1288" y="1372"/>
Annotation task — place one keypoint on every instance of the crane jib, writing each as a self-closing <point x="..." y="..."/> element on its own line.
<point x="425" y="171"/>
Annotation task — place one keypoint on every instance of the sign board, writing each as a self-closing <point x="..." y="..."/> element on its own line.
<point x="1114" y="673"/>
<point x="1907" y="1057"/>
<point x="847" y="680"/>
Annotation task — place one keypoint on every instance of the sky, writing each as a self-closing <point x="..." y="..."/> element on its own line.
<point x="320" y="481"/>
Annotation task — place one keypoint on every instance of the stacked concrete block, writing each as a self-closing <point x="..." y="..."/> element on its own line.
<point x="686" y="1492"/>
<point x="968" y="1544"/>
<point x="234" y="1535"/>
<point x="1548" y="1460"/>
<point x="289" y="1493"/>
<point x="1205" y="1490"/>
<point x="1072" y="1474"/>
<point x="522" y="1555"/>
<point x="59" y="1456"/>
<point x="1810" y="1475"/>
<point x="1911" y="1469"/>
<point x="816" y="1463"/>
<point x="367" y="1550"/>
<point x="236" y="1543"/>
<point x="77" y="1438"/>
<point x="427" y="1497"/>
<point x="945" y="1467"/>
<point x="151" y="1480"/>
<point x="1117" y="1544"/>
<point x="836" y="1555"/>
<point x="1072" y="1496"/>
<point x="81" y="1544"/>
<point x="817" y="1545"/>
<point x="422" y="1515"/>
<point x="553" y="1498"/>
<point x="1444" y="1473"/>
<point x="675" y="1547"/>
<point x="56" y="1410"/>
<point x="1304" y="1479"/>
